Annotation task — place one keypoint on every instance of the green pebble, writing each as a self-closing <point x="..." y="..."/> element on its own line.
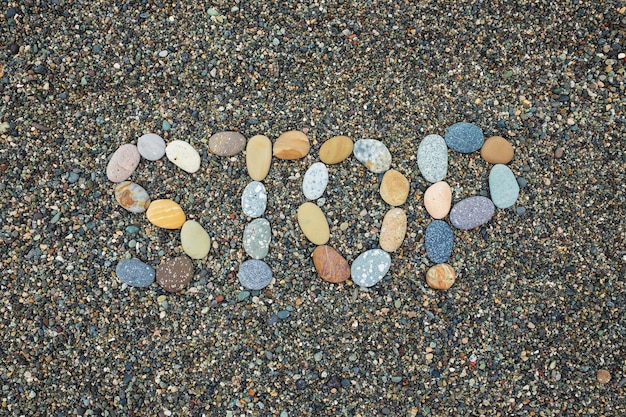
<point x="132" y="243"/>
<point x="132" y="229"/>
<point x="56" y="217"/>
<point x="243" y="295"/>
<point x="396" y="379"/>
<point x="166" y="125"/>
<point x="213" y="12"/>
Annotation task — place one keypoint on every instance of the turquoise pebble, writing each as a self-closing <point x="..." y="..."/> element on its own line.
<point x="243" y="295"/>
<point x="283" y="314"/>
<point x="396" y="379"/>
<point x="166" y="125"/>
<point x="132" y="229"/>
<point x="56" y="217"/>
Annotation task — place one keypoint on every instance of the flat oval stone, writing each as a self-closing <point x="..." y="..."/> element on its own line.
<point x="472" y="212"/>
<point x="503" y="186"/>
<point x="135" y="273"/>
<point x="336" y="149"/>
<point x="370" y="267"/>
<point x="183" y="155"/>
<point x="254" y="274"/>
<point x="373" y="154"/>
<point x="123" y="163"/>
<point x="133" y="197"/>
<point x="464" y="137"/>
<point x="313" y="223"/>
<point x="256" y="238"/>
<point x="394" y="188"/>
<point x="151" y="146"/>
<point x="175" y="274"/>
<point x="438" y="199"/>
<point x="438" y="240"/>
<point x="293" y="144"/>
<point x="393" y="230"/>
<point x="497" y="150"/>
<point x="254" y="199"/>
<point x="440" y="276"/>
<point x="258" y="157"/>
<point x="330" y="265"/>
<point x="432" y="158"/>
<point x="227" y="143"/>
<point x="166" y="214"/>
<point x="195" y="240"/>
<point x="315" y="181"/>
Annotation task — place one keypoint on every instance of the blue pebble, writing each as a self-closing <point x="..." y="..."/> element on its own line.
<point x="464" y="137"/>
<point x="135" y="273"/>
<point x="166" y="125"/>
<point x="255" y="274"/>
<point x="439" y="240"/>
<point x="132" y="229"/>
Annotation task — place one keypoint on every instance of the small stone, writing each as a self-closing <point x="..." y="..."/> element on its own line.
<point x="330" y="265"/>
<point x="336" y="149"/>
<point x="432" y="158"/>
<point x="503" y="186"/>
<point x="558" y="153"/>
<point x="370" y="267"/>
<point x="254" y="199"/>
<point x="151" y="146"/>
<point x="135" y="273"/>
<point x="227" y="143"/>
<point x="440" y="277"/>
<point x="394" y="188"/>
<point x="520" y="210"/>
<point x="464" y="137"/>
<point x="254" y="274"/>
<point x="123" y="163"/>
<point x="175" y="274"/>
<point x="258" y="157"/>
<point x="256" y="238"/>
<point x="183" y="155"/>
<point x="393" y="230"/>
<point x="133" y="197"/>
<point x="472" y="212"/>
<point x="313" y="223"/>
<point x="439" y="241"/>
<point x="373" y="154"/>
<point x="293" y="144"/>
<point x="166" y="214"/>
<point x="315" y="181"/>
<point x="438" y="199"/>
<point x="603" y="376"/>
<point x="195" y="240"/>
<point x="497" y="150"/>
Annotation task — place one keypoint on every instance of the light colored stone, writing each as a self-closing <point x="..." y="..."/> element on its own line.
<point x="166" y="214"/>
<point x="497" y="150"/>
<point x="393" y="230"/>
<point x="315" y="181"/>
<point x="370" y="267"/>
<point x="151" y="146"/>
<point x="373" y="154"/>
<point x="227" y="143"/>
<point x="293" y="144"/>
<point x="123" y="163"/>
<point x="183" y="155"/>
<point x="313" y="224"/>
<point x="175" y="274"/>
<point x="330" y="265"/>
<point x="336" y="149"/>
<point x="195" y="240"/>
<point x="440" y="277"/>
<point x="432" y="158"/>
<point x="259" y="157"/>
<point x="133" y="197"/>
<point x="394" y="188"/>
<point x="254" y="199"/>
<point x="438" y="199"/>
<point x="254" y="274"/>
<point x="256" y="238"/>
<point x="503" y="186"/>
<point x="472" y="212"/>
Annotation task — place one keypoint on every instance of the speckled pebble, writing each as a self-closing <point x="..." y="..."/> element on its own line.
<point x="254" y="274"/>
<point x="257" y="237"/>
<point x="373" y="154"/>
<point x="472" y="212"/>
<point x="464" y="137"/>
<point x="135" y="273"/>
<point x="227" y="143"/>
<point x="175" y="274"/>
<point x="315" y="181"/>
<point x="438" y="241"/>
<point x="432" y="158"/>
<point x="123" y="163"/>
<point x="370" y="267"/>
<point x="254" y="199"/>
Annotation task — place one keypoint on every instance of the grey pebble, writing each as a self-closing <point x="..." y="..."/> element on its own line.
<point x="254" y="199"/>
<point x="135" y="273"/>
<point x="254" y="274"/>
<point x="439" y="241"/>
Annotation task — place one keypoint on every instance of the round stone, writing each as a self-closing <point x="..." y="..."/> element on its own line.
<point x="373" y="154"/>
<point x="254" y="199"/>
<point x="464" y="137"/>
<point x="315" y="181"/>
<point x="259" y="157"/>
<point x="393" y="230"/>
<point x="166" y="214"/>
<point x="313" y="223"/>
<point x="151" y="146"/>
<point x="133" y="197"/>
<point x="438" y="199"/>
<point x="370" y="267"/>
<point x="497" y="150"/>
<point x="254" y="274"/>
<point x="175" y="274"/>
<point x="394" y="188"/>
<point x="123" y="163"/>
<point x="195" y="240"/>
<point x="438" y="240"/>
<point x="472" y="212"/>
<point x="256" y="238"/>
<point x="336" y="149"/>
<point x="330" y="265"/>
<point x="183" y="155"/>
<point x="503" y="186"/>
<point x="227" y="143"/>
<point x="440" y="277"/>
<point x="135" y="273"/>
<point x="293" y="144"/>
<point x="432" y="158"/>
<point x="603" y="376"/>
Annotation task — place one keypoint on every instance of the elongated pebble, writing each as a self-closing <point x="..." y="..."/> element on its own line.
<point x="313" y="224"/>
<point x="256" y="238"/>
<point x="227" y="143"/>
<point x="259" y="157"/>
<point x="503" y="186"/>
<point x="315" y="181"/>
<point x="438" y="241"/>
<point x="472" y="212"/>
<point x="393" y="230"/>
<point x="370" y="267"/>
<point x="183" y="155"/>
<point x="254" y="199"/>
<point x="166" y="214"/>
<point x="123" y="163"/>
<point x="432" y="158"/>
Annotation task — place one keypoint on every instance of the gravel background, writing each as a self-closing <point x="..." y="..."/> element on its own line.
<point x="538" y="308"/>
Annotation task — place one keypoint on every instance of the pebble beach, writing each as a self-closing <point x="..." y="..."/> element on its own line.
<point x="106" y="310"/>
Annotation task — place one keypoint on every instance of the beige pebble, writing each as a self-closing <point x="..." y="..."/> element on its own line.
<point x="393" y="230"/>
<point x="438" y="199"/>
<point x="558" y="153"/>
<point x="603" y="376"/>
<point x="293" y="144"/>
<point x="336" y="149"/>
<point x="313" y="223"/>
<point x="440" y="277"/>
<point x="195" y="240"/>
<point x="166" y="214"/>
<point x="497" y="150"/>
<point x="258" y="157"/>
<point x="394" y="188"/>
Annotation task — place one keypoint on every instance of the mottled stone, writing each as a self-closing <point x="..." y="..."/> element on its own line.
<point x="183" y="155"/>
<point x="195" y="240"/>
<point x="438" y="199"/>
<point x="315" y="181"/>
<point x="432" y="158"/>
<point x="227" y="143"/>
<point x="313" y="223"/>
<point x="440" y="277"/>
<point x="438" y="240"/>
<point x="175" y="274"/>
<point x="394" y="188"/>
<point x="151" y="146"/>
<point x="464" y="137"/>
<point x="503" y="186"/>
<point x="254" y="199"/>
<point x="497" y="150"/>
<point x="293" y="144"/>
<point x="135" y="273"/>
<point x="370" y="267"/>
<point x="330" y="265"/>
<point x="336" y="149"/>
<point x="133" y="197"/>
<point x="123" y="163"/>
<point x="166" y="214"/>
<point x="258" y="157"/>
<point x="256" y="238"/>
<point x="393" y="230"/>
<point x="471" y="212"/>
<point x="373" y="154"/>
<point x="254" y="274"/>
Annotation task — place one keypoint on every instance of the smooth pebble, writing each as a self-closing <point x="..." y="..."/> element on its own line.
<point x="151" y="146"/>
<point x="394" y="188"/>
<point x="503" y="186"/>
<point x="464" y="137"/>
<point x="254" y="274"/>
<point x="183" y="155"/>
<point x="439" y="241"/>
<point x="256" y="238"/>
<point x="133" y="197"/>
<point x="472" y="212"/>
<point x="393" y="230"/>
<point x="373" y="154"/>
<point x="497" y="150"/>
<point x="258" y="157"/>
<point x="315" y="181"/>
<point x="336" y="149"/>
<point x="313" y="223"/>
<point x="438" y="199"/>
<point x="195" y="240"/>
<point x="175" y="274"/>
<point x="123" y="163"/>
<point x="293" y="144"/>
<point x="135" y="273"/>
<point x="166" y="214"/>
<point x="330" y="265"/>
<point x="370" y="267"/>
<point x="440" y="277"/>
<point x="227" y="143"/>
<point x="254" y="199"/>
<point x="432" y="158"/>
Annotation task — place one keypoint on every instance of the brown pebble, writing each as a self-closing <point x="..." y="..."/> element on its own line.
<point x="559" y="152"/>
<point x="175" y="274"/>
<point x="291" y="145"/>
<point x="330" y="265"/>
<point x="497" y="150"/>
<point x="440" y="277"/>
<point x="604" y="376"/>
